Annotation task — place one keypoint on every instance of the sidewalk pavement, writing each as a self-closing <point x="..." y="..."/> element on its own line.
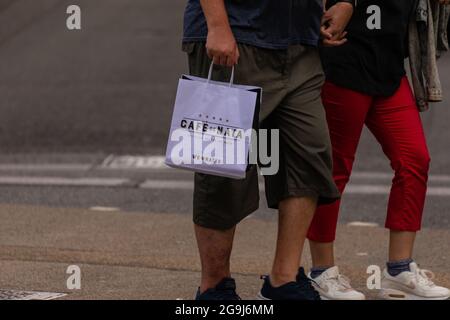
<point x="137" y="255"/>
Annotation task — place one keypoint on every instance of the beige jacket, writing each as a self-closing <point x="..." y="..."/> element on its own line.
<point x="427" y="39"/>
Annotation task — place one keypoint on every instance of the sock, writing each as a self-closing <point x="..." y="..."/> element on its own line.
<point x="317" y="271"/>
<point x="394" y="268"/>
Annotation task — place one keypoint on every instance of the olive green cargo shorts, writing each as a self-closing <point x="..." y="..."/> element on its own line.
<point x="291" y="80"/>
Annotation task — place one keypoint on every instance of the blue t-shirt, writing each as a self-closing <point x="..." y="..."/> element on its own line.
<point x="273" y="24"/>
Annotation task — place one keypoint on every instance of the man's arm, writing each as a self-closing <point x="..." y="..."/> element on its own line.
<point x="221" y="45"/>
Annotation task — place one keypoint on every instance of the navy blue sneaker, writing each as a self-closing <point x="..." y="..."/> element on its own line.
<point x="290" y="291"/>
<point x="225" y="290"/>
<point x="306" y="282"/>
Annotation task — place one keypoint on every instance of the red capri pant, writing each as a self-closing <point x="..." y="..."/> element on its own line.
<point x="396" y="124"/>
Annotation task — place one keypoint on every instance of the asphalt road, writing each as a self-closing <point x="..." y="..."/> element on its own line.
<point x="110" y="87"/>
<point x="69" y="99"/>
<point x="135" y="255"/>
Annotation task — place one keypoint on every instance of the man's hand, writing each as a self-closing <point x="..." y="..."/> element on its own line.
<point x="334" y="22"/>
<point x="221" y="46"/>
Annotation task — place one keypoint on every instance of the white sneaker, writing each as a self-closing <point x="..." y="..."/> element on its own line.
<point x="416" y="284"/>
<point x="333" y="286"/>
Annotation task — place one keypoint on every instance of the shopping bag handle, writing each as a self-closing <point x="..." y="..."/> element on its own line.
<point x="211" y="71"/>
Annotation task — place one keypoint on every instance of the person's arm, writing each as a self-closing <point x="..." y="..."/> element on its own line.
<point x="221" y="45"/>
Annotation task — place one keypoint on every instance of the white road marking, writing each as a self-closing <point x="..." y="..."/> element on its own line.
<point x="362" y="254"/>
<point x="104" y="209"/>
<point x="156" y="162"/>
<point x="386" y="189"/>
<point x="367" y="189"/>
<point x="134" y="162"/>
<point x="179" y="184"/>
<point x="363" y="224"/>
<point x="389" y="176"/>
<point x="351" y="188"/>
<point x="44" y="167"/>
<point x="438" y="191"/>
<point x="58" y="181"/>
<point x="168" y="184"/>
<point x="29" y="295"/>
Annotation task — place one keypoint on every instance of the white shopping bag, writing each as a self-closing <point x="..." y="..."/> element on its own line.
<point x="212" y="124"/>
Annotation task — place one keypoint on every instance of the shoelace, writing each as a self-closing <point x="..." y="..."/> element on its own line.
<point x="340" y="282"/>
<point x="424" y="277"/>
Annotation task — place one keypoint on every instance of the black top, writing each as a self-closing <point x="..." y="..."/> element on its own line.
<point x="372" y="61"/>
<point x="272" y="24"/>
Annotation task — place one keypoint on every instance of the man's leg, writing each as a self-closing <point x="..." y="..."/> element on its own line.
<point x="295" y="215"/>
<point x="304" y="177"/>
<point x="215" y="250"/>
<point x="220" y="203"/>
